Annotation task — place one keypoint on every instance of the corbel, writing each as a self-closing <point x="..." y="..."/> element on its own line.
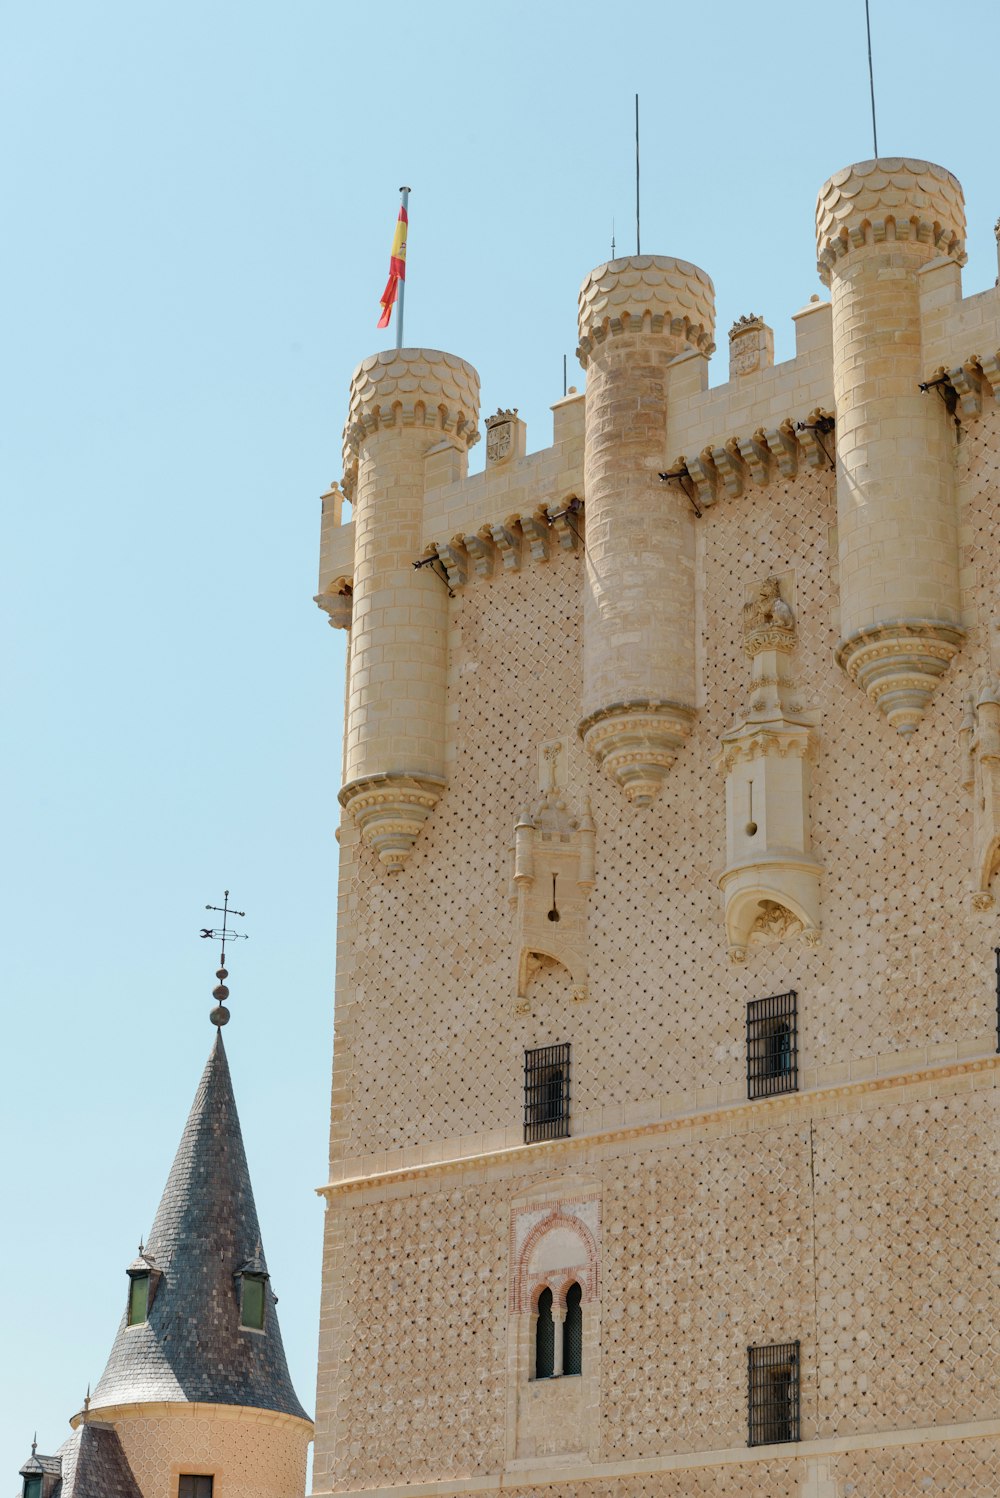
<point x="755" y="454"/>
<point x="990" y="369"/>
<point x="535" y="530"/>
<point x="453" y="555"/>
<point x="704" y="477"/>
<point x="507" y="545"/>
<point x="813" y="436"/>
<point x="482" y="551"/>
<point x="730" y="468"/>
<point x="784" y="448"/>
<point x="563" y="522"/>
<point x="967" y="382"/>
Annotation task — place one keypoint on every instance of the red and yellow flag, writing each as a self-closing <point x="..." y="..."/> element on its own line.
<point x="397" y="269"/>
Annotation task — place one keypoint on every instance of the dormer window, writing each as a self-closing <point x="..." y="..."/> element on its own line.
<point x="252" y="1301"/>
<point x="32" y="1487"/>
<point x="138" y="1299"/>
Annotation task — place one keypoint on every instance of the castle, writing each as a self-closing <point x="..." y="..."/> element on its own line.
<point x="663" y="1153"/>
<point x="664" y="1135"/>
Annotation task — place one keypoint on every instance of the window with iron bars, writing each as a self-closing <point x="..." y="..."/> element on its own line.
<point x="772" y="1045"/>
<point x="546" y="1093"/>
<point x="773" y="1393"/>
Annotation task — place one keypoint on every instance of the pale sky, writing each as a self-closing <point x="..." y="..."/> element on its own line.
<point x="198" y="207"/>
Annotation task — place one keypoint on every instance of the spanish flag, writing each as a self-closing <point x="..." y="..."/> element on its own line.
<point x="397" y="268"/>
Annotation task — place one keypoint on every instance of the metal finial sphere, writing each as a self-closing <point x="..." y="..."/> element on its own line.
<point x="222" y="974"/>
<point x="220" y="992"/>
<point x="219" y="1015"/>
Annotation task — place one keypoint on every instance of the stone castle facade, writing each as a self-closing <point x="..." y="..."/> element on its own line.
<point x="664" y="1131"/>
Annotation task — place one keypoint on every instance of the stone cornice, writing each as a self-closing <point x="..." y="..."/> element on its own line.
<point x="161" y="1409"/>
<point x="533" y="1473"/>
<point x="733" y="1115"/>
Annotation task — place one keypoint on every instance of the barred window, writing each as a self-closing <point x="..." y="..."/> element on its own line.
<point x="546" y="1093"/>
<point x="773" y="1374"/>
<point x="573" y="1331"/>
<point x="772" y="1045"/>
<point x="545" y="1337"/>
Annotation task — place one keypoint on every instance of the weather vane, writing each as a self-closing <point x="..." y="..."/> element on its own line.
<point x="220" y="1014"/>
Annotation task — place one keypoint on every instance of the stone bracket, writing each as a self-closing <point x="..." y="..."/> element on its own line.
<point x="731" y="466"/>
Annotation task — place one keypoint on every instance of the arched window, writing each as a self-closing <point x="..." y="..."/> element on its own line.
<point x="573" y="1331"/>
<point x="545" y="1337"/>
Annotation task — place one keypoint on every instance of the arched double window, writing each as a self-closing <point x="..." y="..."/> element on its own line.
<point x="559" y="1337"/>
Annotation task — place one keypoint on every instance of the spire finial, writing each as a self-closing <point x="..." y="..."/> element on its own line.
<point x="220" y="1014"/>
<point x="34" y="1443"/>
<point x="86" y="1403"/>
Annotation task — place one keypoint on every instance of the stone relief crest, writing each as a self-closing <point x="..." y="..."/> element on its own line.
<point x="500" y="435"/>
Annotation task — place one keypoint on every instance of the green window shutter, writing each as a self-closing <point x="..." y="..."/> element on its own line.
<point x="138" y="1299"/>
<point x="252" y="1303"/>
<point x="32" y="1487"/>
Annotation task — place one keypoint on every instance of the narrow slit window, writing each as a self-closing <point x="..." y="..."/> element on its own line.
<point x="545" y="1337"/>
<point x="573" y="1331"/>
<point x="546" y="1093"/>
<point x="772" y="1045"/>
<point x="773" y="1393"/>
<point x="252" y="1302"/>
<point x="194" y="1486"/>
<point x="138" y="1299"/>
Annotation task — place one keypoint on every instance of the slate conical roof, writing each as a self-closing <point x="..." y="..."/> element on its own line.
<point x="191" y="1347"/>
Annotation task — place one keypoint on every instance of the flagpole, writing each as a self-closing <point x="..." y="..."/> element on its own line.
<point x="405" y="195"/>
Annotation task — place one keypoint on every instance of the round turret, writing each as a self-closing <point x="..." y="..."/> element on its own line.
<point x="637" y="316"/>
<point x="403" y="403"/>
<point x="879" y="226"/>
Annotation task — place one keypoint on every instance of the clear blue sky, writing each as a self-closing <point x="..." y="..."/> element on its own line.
<point x="198" y="203"/>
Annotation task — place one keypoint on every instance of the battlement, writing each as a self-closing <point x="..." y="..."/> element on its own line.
<point x="649" y="447"/>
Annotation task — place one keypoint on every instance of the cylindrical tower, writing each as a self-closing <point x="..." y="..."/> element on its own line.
<point x="636" y="315"/>
<point x="403" y="402"/>
<point x="877" y="225"/>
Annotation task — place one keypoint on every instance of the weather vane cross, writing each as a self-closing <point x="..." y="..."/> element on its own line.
<point x="220" y="1014"/>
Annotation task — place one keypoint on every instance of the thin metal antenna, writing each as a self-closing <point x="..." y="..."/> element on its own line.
<point x="637" y="249"/>
<point x="871" y="77"/>
<point x="612" y="239"/>
<point x="564" y="374"/>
